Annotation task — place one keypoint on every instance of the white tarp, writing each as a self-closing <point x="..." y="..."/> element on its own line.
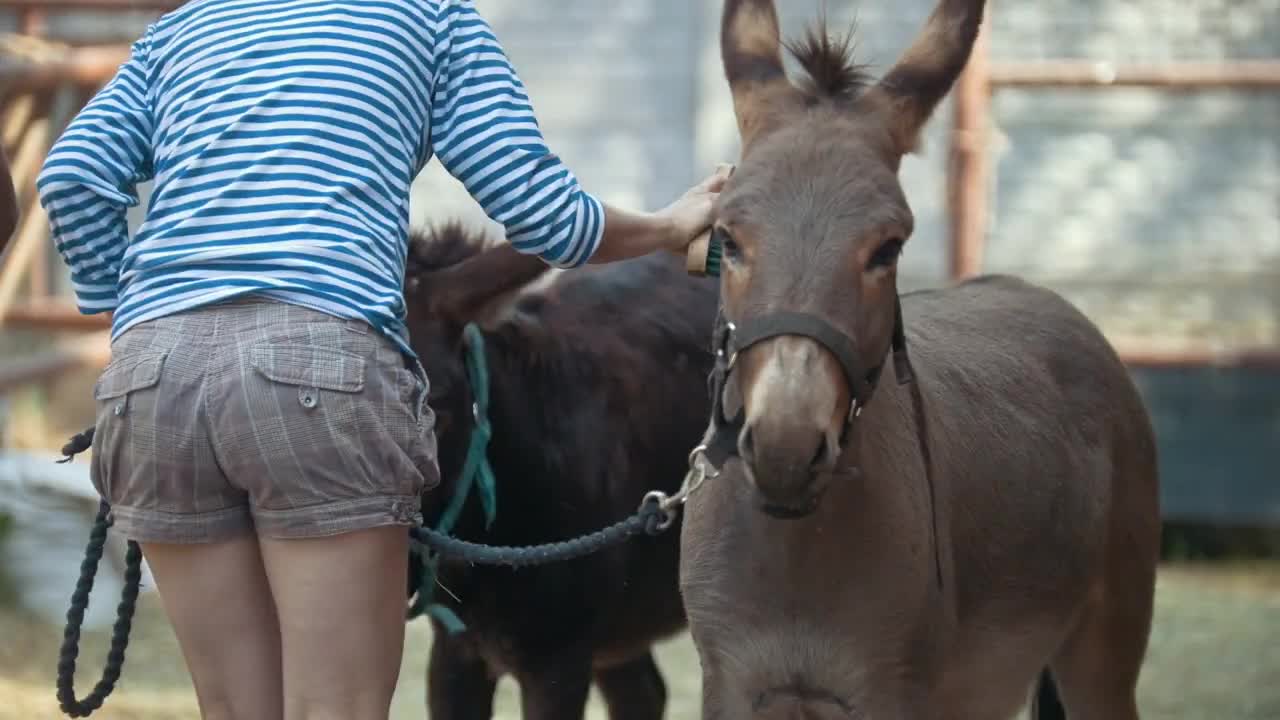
<point x="53" y="507"/>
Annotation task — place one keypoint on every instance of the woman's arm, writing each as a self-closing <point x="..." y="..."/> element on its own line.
<point x="8" y="202"/>
<point x="629" y="234"/>
<point x="90" y="179"/>
<point x="484" y="132"/>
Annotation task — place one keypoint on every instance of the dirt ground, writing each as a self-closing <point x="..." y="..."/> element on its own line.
<point x="1215" y="655"/>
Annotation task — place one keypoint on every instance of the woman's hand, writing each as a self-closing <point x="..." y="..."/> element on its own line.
<point x="692" y="213"/>
<point x="629" y="234"/>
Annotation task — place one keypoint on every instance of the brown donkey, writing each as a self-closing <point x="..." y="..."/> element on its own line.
<point x="988" y="517"/>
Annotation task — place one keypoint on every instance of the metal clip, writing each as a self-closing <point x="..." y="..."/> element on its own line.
<point x="698" y="474"/>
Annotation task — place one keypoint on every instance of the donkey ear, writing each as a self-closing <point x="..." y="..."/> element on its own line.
<point x="465" y="290"/>
<point x="924" y="74"/>
<point x="751" y="50"/>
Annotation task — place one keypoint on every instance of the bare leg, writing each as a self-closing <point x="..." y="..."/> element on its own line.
<point x="634" y="690"/>
<point x="459" y="685"/>
<point x="341" y="602"/>
<point x="220" y="605"/>
<point x="556" y="689"/>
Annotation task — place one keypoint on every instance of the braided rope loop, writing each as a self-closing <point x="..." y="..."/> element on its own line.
<point x="75" y="620"/>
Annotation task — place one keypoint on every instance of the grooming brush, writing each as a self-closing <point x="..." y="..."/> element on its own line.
<point x="702" y="258"/>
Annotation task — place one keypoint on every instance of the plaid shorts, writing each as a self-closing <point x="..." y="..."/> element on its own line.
<point x="255" y="415"/>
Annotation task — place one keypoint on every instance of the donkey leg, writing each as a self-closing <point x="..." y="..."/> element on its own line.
<point x="633" y="690"/>
<point x="556" y="688"/>
<point x="1096" y="670"/>
<point x="1046" y="704"/>
<point x="459" y="684"/>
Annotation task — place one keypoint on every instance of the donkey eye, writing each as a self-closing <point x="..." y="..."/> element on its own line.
<point x="727" y="244"/>
<point x="886" y="255"/>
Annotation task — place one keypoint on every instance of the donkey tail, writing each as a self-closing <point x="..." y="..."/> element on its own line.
<point x="1046" y="705"/>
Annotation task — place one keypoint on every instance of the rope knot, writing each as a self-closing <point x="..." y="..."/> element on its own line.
<point x="654" y="516"/>
<point x="76" y="445"/>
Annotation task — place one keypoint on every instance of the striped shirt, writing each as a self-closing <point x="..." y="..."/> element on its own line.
<point x="282" y="138"/>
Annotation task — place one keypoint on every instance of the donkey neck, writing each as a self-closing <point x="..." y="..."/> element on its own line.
<point x="882" y="501"/>
<point x="516" y="414"/>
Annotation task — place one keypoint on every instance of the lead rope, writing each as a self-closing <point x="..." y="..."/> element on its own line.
<point x="476" y="473"/>
<point x="80" y="602"/>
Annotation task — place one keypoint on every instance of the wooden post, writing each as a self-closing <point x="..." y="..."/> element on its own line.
<point x="1239" y="75"/>
<point x="27" y="160"/>
<point x="17" y="118"/>
<point x="967" y="162"/>
<point x="53" y="314"/>
<point x="32" y="21"/>
<point x="92" y="350"/>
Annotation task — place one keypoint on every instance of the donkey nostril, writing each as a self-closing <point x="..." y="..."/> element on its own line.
<point x="821" y="455"/>
<point x="747" y="446"/>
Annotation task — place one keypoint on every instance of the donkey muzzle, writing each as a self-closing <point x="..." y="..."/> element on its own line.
<point x="790" y="440"/>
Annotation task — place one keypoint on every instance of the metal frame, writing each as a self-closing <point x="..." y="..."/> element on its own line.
<point x="968" y="158"/>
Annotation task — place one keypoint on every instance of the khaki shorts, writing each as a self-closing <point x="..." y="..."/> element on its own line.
<point x="258" y="416"/>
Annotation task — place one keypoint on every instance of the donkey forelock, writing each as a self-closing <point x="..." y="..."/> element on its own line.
<point x="830" y="71"/>
<point x="763" y="95"/>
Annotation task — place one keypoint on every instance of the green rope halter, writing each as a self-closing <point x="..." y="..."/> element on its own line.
<point x="477" y="476"/>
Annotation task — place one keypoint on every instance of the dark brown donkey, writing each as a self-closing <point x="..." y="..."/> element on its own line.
<point x="991" y="510"/>
<point x="598" y="392"/>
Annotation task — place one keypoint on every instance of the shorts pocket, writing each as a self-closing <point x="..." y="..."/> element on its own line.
<point x="129" y="373"/>
<point x="310" y="369"/>
<point x="319" y="367"/>
<point x="418" y="433"/>
<point x="123" y="376"/>
<point x="412" y="389"/>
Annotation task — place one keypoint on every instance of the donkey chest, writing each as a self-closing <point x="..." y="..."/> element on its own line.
<point x="810" y="670"/>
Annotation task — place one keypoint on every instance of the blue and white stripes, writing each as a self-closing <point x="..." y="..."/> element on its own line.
<point x="283" y="137"/>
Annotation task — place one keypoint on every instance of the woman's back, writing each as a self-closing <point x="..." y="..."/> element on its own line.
<point x="283" y="138"/>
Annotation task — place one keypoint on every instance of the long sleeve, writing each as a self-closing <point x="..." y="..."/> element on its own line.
<point x="90" y="178"/>
<point x="485" y="134"/>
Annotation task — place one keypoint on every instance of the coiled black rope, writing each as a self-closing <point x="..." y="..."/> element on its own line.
<point x="75" y="619"/>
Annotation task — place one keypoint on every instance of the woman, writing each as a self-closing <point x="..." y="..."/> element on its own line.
<point x="8" y="203"/>
<point x="262" y="428"/>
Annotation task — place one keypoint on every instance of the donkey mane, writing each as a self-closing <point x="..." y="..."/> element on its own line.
<point x="830" y="71"/>
<point x="439" y="247"/>
<point x="553" y="338"/>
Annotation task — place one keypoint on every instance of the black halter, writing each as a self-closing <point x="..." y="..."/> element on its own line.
<point x="730" y="339"/>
